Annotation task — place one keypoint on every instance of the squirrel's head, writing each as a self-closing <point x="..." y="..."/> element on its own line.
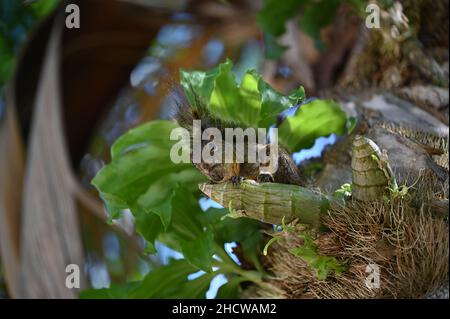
<point x="215" y="172"/>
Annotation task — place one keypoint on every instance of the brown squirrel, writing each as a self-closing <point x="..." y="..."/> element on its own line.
<point x="286" y="173"/>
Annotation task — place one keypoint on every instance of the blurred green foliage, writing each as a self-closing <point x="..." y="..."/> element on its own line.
<point x="164" y="282"/>
<point x="16" y="20"/>
<point x="315" y="15"/>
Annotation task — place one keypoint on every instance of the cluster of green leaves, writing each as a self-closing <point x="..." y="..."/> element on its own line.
<point x="344" y="192"/>
<point x="254" y="103"/>
<point x="322" y="265"/>
<point x="16" y="19"/>
<point x="316" y="14"/>
<point x="399" y="191"/>
<point x="164" y="196"/>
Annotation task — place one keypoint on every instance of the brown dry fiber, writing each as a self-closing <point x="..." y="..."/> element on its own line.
<point x="403" y="239"/>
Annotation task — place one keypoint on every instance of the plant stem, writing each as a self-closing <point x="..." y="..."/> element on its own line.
<point x="228" y="265"/>
<point x="269" y="202"/>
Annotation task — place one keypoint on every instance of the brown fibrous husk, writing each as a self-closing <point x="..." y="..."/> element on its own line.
<point x="403" y="236"/>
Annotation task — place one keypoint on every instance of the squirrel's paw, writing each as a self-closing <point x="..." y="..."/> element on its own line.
<point x="236" y="180"/>
<point x="265" y="178"/>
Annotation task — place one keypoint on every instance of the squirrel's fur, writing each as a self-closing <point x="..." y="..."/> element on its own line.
<point x="186" y="113"/>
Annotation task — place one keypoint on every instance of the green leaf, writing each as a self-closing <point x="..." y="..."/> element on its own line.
<point x="150" y="248"/>
<point x="253" y="103"/>
<point x="170" y="281"/>
<point x="344" y="192"/>
<point x="114" y="205"/>
<point x="230" y="289"/>
<point x="7" y="61"/>
<point x="140" y="159"/>
<point x="323" y="265"/>
<point x="198" y="84"/>
<point x="196" y="288"/>
<point x="16" y="20"/>
<point x="269" y="243"/>
<point x="272" y="18"/>
<point x="186" y="214"/>
<point x="315" y="119"/>
<point x="164" y="211"/>
<point x="158" y="199"/>
<point x="149" y="225"/>
<point x="213" y="216"/>
<point x="184" y="224"/>
<point x="297" y="96"/>
<point x="142" y="177"/>
<point x="230" y="229"/>
<point x="115" y="291"/>
<point x="200" y="250"/>
<point x="245" y="231"/>
<point x="43" y="7"/>
<point x="273" y="102"/>
<point x="164" y="281"/>
<point x="250" y="99"/>
<point x="151" y="134"/>
<point x="318" y="15"/>
<point x="351" y="124"/>
<point x="232" y="103"/>
<point x="131" y="173"/>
